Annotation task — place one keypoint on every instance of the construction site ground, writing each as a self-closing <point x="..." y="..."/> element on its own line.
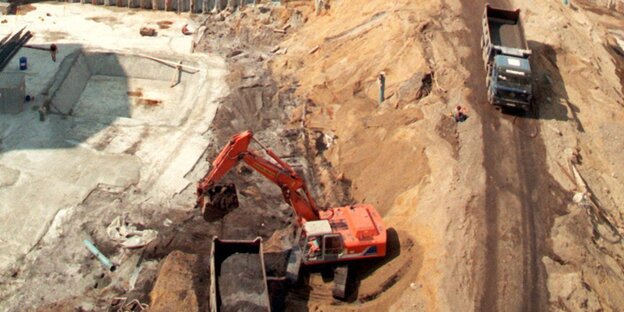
<point x="503" y="212"/>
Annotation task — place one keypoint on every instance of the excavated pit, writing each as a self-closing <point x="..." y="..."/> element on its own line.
<point x="107" y="85"/>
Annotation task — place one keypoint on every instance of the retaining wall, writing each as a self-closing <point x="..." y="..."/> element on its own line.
<point x="194" y="6"/>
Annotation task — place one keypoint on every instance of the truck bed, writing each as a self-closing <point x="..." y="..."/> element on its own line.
<point x="505" y="28"/>
<point x="238" y="278"/>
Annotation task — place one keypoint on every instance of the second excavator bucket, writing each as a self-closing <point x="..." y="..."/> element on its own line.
<point x="220" y="200"/>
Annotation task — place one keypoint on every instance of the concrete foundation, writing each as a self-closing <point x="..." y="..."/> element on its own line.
<point x="107" y="85"/>
<point x="12" y="92"/>
<point x="193" y="6"/>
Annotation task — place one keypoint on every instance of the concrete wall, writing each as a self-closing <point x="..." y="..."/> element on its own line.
<point x="71" y="81"/>
<point x="122" y="65"/>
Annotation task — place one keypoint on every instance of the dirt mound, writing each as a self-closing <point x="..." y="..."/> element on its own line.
<point x="174" y="286"/>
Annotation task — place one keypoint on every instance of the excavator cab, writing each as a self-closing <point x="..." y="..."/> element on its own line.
<point x="219" y="201"/>
<point x="322" y="245"/>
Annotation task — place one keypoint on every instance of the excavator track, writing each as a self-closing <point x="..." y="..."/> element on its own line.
<point x="341" y="276"/>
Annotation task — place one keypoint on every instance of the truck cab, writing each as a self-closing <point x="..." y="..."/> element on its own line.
<point x="509" y="82"/>
<point x="506" y="57"/>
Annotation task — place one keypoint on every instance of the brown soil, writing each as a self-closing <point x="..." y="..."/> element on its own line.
<point x="174" y="286"/>
<point x="480" y="214"/>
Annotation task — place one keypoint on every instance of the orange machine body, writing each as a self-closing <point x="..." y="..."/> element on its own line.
<point x="332" y="235"/>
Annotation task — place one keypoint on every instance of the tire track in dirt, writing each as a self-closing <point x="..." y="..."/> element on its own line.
<point x="521" y="198"/>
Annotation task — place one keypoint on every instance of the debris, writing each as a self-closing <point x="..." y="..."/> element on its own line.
<point x="314" y="49"/>
<point x="147" y="31"/>
<point x="167" y="222"/>
<point x="11" y="44"/>
<point x="275" y="49"/>
<point x="148" y="102"/>
<point x="128" y="235"/>
<point x="556" y="130"/>
<point x="120" y="304"/>
<point x="164" y="24"/>
<point x="279" y="30"/>
<point x="4" y="21"/>
<point x="103" y="259"/>
<point x="189" y="29"/>
<point x="219" y="18"/>
<point x="234" y="53"/>
<point x="175" y="79"/>
<point x="134" y="277"/>
<point x="172" y="64"/>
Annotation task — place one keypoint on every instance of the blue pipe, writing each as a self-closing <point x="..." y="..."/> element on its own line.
<point x="103" y="259"/>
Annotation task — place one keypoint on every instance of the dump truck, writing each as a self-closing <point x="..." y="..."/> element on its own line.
<point x="506" y="58"/>
<point x="238" y="279"/>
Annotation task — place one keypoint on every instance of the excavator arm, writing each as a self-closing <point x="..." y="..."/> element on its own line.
<point x="280" y="173"/>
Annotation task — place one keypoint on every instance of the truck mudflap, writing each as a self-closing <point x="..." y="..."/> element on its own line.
<point x="237" y="276"/>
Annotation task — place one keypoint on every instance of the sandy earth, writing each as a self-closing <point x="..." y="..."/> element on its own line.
<point x="502" y="212"/>
<point x="488" y="204"/>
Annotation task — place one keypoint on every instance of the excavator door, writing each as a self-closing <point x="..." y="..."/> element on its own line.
<point x="219" y="201"/>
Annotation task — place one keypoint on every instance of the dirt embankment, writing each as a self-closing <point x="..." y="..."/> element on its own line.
<point x="404" y="155"/>
<point x="501" y="222"/>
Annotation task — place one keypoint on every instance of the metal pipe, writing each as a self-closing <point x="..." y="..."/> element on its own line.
<point x="103" y="259"/>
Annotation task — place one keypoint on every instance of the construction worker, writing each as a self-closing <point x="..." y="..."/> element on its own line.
<point x="460" y="114"/>
<point x="314" y="247"/>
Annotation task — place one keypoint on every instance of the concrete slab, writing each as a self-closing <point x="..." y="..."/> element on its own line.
<point x="114" y="137"/>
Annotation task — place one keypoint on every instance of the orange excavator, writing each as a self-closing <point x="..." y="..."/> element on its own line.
<point x="334" y="235"/>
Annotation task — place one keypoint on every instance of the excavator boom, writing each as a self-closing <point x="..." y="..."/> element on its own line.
<point x="212" y="197"/>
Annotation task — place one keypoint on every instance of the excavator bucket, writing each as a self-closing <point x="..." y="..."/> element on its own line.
<point x="220" y="200"/>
